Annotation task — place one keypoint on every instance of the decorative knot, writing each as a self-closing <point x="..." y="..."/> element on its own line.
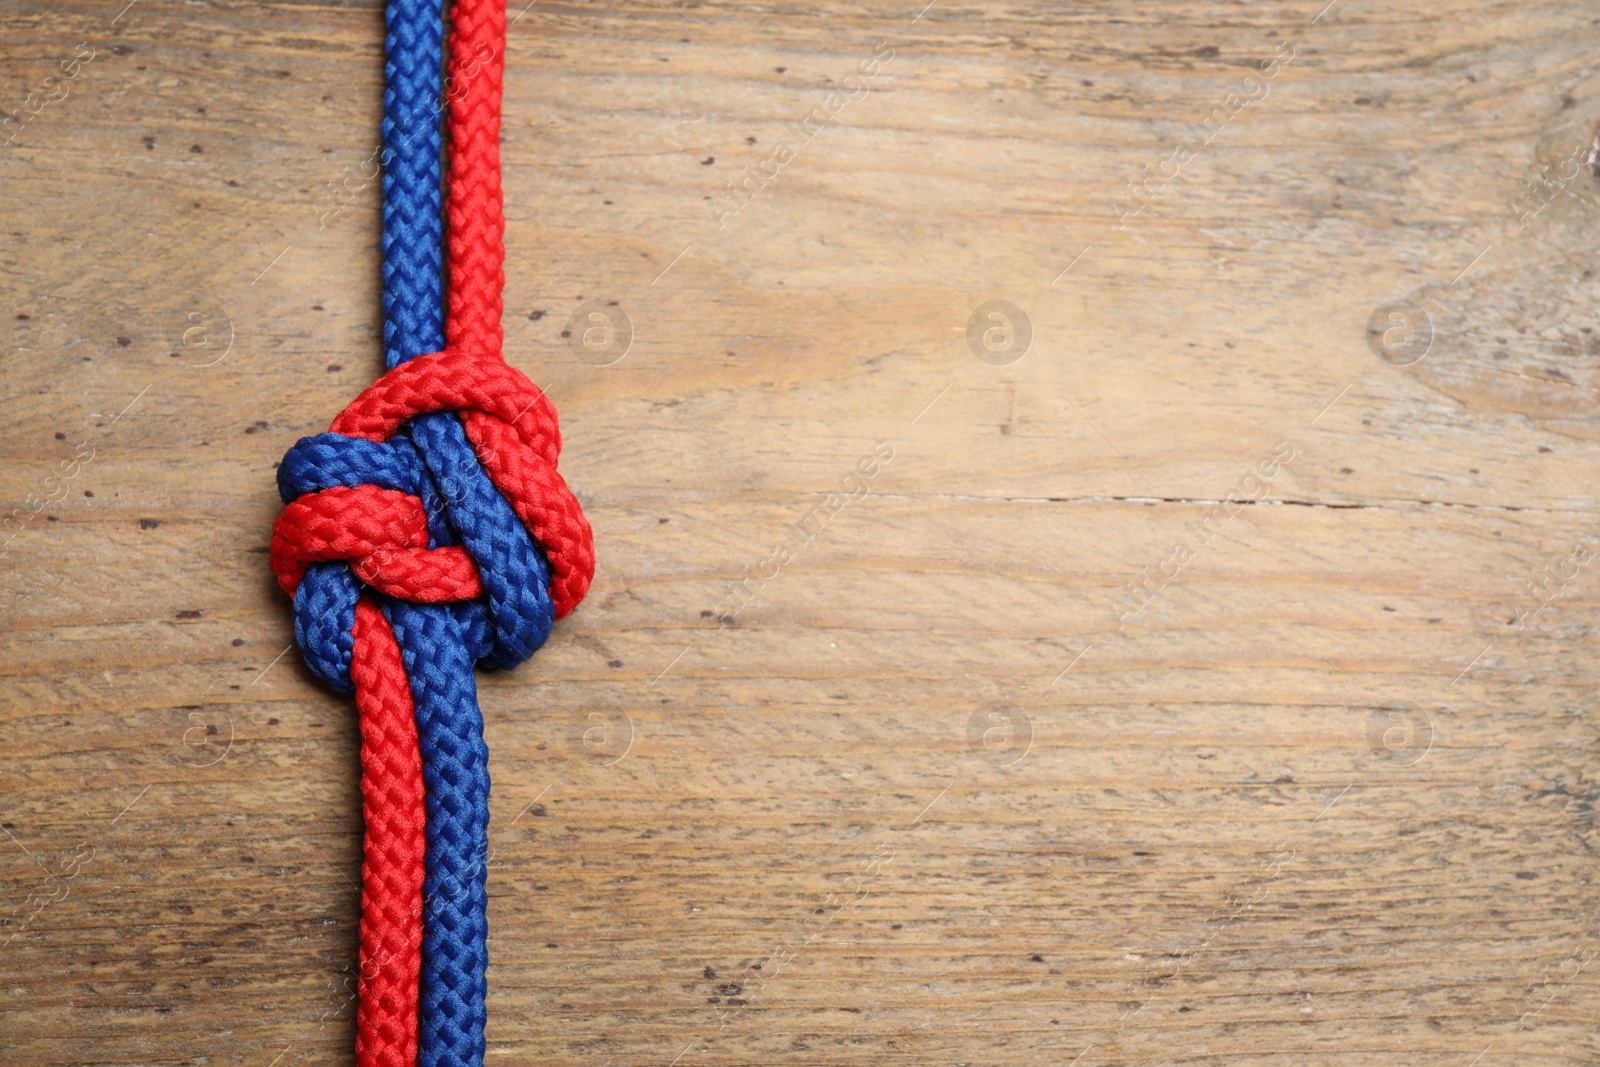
<point x="366" y="506"/>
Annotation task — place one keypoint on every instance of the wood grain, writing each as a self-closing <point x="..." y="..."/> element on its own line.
<point x="929" y="791"/>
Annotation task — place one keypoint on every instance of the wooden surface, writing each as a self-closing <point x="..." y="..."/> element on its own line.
<point x="936" y="794"/>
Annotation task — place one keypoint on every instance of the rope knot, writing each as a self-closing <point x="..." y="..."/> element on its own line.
<point x="365" y="503"/>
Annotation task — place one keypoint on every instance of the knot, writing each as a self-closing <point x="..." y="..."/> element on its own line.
<point x="367" y="503"/>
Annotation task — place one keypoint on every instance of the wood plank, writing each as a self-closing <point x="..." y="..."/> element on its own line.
<point x="990" y="770"/>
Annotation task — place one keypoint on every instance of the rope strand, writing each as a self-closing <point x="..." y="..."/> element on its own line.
<point x="426" y="532"/>
<point x="474" y="203"/>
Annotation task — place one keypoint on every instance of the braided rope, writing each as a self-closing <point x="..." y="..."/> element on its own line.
<point x="391" y="869"/>
<point x="427" y="531"/>
<point x="474" y="203"/>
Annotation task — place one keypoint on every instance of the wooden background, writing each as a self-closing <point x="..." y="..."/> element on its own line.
<point x="932" y="797"/>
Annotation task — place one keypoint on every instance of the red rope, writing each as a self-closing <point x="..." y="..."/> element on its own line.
<point x="473" y="209"/>
<point x="392" y="867"/>
<point x="383" y="534"/>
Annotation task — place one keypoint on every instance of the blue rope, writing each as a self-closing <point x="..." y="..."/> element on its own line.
<point x="455" y="760"/>
<point x="439" y="644"/>
<point x="455" y="779"/>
